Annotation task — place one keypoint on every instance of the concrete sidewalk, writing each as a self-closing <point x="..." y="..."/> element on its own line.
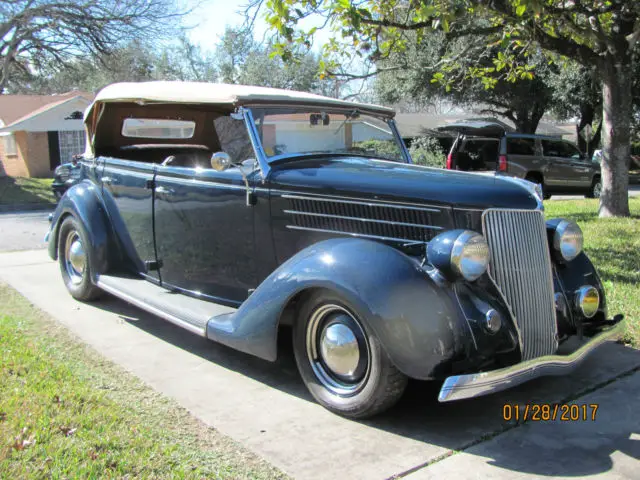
<point x="266" y="407"/>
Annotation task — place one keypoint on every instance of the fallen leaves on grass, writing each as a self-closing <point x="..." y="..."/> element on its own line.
<point x="68" y="431"/>
<point x="21" y="441"/>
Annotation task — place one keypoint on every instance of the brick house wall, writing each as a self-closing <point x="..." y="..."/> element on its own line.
<point x="33" y="146"/>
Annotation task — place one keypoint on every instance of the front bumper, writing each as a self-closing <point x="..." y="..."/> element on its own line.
<point x="477" y="384"/>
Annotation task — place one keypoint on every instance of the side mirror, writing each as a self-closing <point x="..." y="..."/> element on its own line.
<point x="220" y="161"/>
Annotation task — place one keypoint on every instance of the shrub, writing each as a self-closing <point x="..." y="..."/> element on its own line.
<point x="428" y="152"/>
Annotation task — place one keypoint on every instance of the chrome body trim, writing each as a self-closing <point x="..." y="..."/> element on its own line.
<point x="458" y="387"/>
<point x="521" y="269"/>
<point x="356" y="235"/>
<point x="360" y="219"/>
<point x="155" y="311"/>
<point x="249" y="121"/>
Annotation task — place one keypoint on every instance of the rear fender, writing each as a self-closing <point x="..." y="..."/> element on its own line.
<point x="84" y="202"/>
<point x="417" y="321"/>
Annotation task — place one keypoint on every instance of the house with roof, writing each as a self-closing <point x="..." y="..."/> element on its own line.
<point x="39" y="132"/>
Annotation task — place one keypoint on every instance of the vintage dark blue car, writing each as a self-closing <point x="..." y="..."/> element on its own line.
<point x="235" y="211"/>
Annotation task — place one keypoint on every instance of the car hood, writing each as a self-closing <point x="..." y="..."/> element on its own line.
<point x="384" y="180"/>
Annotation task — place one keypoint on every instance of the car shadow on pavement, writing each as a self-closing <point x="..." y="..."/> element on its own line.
<point x="460" y="425"/>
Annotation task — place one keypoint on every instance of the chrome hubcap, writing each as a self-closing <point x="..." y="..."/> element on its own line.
<point x="75" y="257"/>
<point x="337" y="350"/>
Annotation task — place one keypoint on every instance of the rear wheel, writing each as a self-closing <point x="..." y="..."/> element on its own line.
<point x="596" y="188"/>
<point x="73" y="258"/>
<point x="341" y="362"/>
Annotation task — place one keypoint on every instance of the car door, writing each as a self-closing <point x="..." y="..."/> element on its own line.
<point x="582" y="169"/>
<point x="204" y="224"/>
<point x="126" y="188"/>
<point x="204" y="232"/>
<point x="560" y="170"/>
<point x="521" y="156"/>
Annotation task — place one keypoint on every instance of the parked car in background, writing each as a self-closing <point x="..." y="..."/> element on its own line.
<point x="244" y="213"/>
<point x="65" y="176"/>
<point x="556" y="165"/>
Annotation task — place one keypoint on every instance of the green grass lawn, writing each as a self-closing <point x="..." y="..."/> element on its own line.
<point x="66" y="412"/>
<point x="613" y="244"/>
<point x="25" y="190"/>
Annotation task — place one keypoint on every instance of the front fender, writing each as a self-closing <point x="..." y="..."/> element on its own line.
<point x="570" y="276"/>
<point x="84" y="202"/>
<point x="418" y="322"/>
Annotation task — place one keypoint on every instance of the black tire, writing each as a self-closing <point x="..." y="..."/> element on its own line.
<point x="71" y="255"/>
<point x="535" y="178"/>
<point x="595" y="189"/>
<point x="377" y="384"/>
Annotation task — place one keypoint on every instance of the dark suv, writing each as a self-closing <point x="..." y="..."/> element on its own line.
<point x="556" y="164"/>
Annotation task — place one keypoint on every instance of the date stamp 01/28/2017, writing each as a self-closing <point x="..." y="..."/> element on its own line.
<point x="544" y="412"/>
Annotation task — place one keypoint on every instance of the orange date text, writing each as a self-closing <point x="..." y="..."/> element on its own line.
<point x="544" y="412"/>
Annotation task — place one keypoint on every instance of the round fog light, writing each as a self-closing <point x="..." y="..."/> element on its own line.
<point x="588" y="300"/>
<point x="492" y="321"/>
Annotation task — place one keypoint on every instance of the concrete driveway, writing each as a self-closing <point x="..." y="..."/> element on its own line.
<point x="266" y="407"/>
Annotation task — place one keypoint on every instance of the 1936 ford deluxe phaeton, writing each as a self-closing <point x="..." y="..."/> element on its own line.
<point x="232" y="211"/>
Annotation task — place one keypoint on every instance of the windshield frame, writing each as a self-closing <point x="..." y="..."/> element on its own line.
<point x="265" y="161"/>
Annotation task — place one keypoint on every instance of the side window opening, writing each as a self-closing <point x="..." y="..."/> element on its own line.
<point x="521" y="146"/>
<point x="234" y="138"/>
<point x="478" y="154"/>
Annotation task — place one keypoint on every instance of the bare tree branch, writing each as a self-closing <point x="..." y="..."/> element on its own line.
<point x="37" y="30"/>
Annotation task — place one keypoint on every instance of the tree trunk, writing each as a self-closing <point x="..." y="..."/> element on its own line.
<point x="616" y="137"/>
<point x="527" y="121"/>
<point x="587" y="117"/>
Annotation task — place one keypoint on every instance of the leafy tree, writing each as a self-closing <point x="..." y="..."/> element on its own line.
<point x="599" y="34"/>
<point x="232" y="52"/>
<point x="415" y="73"/>
<point x="576" y="92"/>
<point x="239" y="58"/>
<point x="36" y="34"/>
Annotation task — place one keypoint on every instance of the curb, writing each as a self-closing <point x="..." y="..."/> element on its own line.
<point x="27" y="207"/>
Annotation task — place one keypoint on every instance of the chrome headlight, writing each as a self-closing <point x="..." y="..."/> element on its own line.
<point x="568" y="239"/>
<point x="588" y="300"/>
<point x="62" y="172"/>
<point x="460" y="253"/>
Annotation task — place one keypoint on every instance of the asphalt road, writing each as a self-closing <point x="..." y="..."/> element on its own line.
<point x="23" y="230"/>
<point x="265" y="406"/>
<point x="634" y="191"/>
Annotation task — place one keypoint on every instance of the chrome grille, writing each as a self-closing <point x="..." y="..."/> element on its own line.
<point x="383" y="221"/>
<point x="521" y="267"/>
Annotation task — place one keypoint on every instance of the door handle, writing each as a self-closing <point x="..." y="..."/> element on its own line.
<point x="107" y="180"/>
<point x="165" y="190"/>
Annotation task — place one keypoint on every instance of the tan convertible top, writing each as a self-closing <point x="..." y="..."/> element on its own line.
<point x="220" y="94"/>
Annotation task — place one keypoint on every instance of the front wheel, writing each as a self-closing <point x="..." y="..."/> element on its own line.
<point x="73" y="258"/>
<point x="341" y="362"/>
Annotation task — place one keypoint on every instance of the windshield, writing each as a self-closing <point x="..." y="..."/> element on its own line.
<point x="291" y="131"/>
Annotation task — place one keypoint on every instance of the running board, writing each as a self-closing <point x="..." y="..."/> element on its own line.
<point x="187" y="312"/>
